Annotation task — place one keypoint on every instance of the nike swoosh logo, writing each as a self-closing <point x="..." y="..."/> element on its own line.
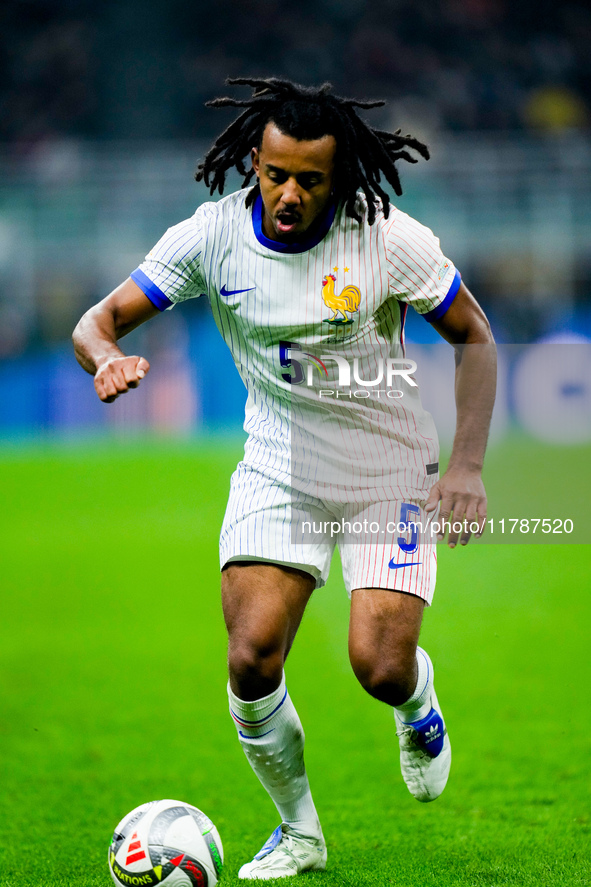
<point x="244" y="736"/>
<point x="225" y="293"/>
<point x="394" y="566"/>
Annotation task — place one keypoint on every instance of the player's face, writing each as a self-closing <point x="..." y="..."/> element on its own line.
<point x="296" y="179"/>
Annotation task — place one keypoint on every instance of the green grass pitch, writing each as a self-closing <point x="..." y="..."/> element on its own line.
<point x="113" y="689"/>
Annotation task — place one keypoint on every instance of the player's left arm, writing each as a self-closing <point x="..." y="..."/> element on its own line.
<point x="461" y="490"/>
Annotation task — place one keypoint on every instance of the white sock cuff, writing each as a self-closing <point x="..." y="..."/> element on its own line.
<point x="424" y="676"/>
<point x="424" y="680"/>
<point x="258" y="710"/>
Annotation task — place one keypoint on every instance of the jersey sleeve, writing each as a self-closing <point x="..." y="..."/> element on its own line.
<point x="172" y="270"/>
<point x="418" y="272"/>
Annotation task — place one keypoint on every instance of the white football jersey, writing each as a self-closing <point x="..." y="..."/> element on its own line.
<point x="316" y="332"/>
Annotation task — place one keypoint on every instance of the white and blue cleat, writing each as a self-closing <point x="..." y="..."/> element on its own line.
<point x="286" y="853"/>
<point x="425" y="753"/>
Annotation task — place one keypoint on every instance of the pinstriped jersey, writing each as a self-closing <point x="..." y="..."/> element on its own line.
<point x="316" y="332"/>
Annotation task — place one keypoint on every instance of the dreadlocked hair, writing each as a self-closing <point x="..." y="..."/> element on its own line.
<point x="363" y="155"/>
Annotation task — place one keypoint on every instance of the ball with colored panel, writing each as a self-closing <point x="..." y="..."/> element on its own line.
<point x="168" y="843"/>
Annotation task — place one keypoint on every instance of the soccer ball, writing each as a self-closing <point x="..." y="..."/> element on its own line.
<point x="166" y="843"/>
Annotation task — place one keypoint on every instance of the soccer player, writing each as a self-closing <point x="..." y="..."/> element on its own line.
<point x="309" y="272"/>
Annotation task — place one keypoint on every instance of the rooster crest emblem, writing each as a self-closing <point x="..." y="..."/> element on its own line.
<point x="343" y="304"/>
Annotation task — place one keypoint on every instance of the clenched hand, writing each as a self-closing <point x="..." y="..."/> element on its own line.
<point x="117" y="375"/>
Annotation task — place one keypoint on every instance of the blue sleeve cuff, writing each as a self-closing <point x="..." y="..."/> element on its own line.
<point x="155" y="295"/>
<point x="440" y="309"/>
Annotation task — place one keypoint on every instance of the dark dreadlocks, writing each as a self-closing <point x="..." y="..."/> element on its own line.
<point x="308" y="113"/>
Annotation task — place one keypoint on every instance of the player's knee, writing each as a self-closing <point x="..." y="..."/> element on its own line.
<point x="391" y="680"/>
<point x="255" y="668"/>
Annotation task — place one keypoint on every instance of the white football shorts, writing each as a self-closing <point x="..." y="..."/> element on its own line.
<point x="381" y="544"/>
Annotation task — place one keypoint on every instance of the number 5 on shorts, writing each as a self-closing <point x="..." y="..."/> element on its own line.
<point x="409" y="513"/>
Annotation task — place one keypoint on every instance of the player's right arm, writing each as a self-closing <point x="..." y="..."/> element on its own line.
<point x="96" y="335"/>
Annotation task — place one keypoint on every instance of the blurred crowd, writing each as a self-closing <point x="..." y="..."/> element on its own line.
<point x="102" y="120"/>
<point x="122" y="68"/>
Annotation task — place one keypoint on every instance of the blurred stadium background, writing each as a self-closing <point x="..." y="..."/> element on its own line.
<point x="102" y="124"/>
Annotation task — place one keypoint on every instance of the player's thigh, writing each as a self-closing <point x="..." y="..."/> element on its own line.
<point x="384" y="627"/>
<point x="263" y="604"/>
<point x="383" y="634"/>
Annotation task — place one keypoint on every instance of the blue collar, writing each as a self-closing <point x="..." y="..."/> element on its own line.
<point x="320" y="230"/>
